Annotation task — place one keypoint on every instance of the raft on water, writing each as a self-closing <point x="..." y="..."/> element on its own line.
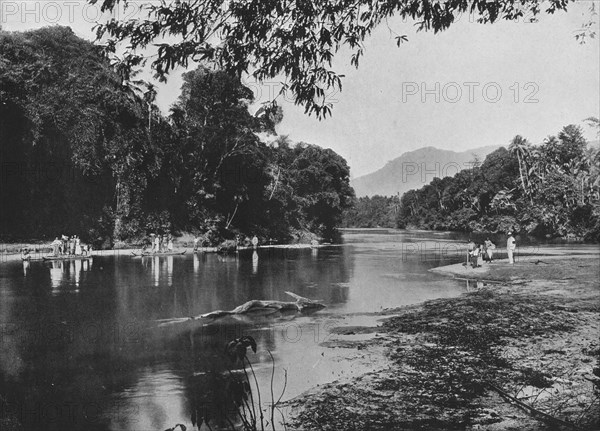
<point x="166" y="253"/>
<point x="31" y="258"/>
<point x="66" y="257"/>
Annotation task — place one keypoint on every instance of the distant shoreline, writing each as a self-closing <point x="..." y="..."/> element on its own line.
<point x="16" y="255"/>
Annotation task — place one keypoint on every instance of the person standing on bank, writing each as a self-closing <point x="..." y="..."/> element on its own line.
<point x="511" y="245"/>
<point x="475" y="255"/>
<point x="254" y="241"/>
<point x="77" y="246"/>
<point x="55" y="246"/>
<point x="470" y="248"/>
<point x="489" y="248"/>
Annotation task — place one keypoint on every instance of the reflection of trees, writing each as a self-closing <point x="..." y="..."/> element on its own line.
<point x="110" y="333"/>
<point x="211" y="400"/>
<point x="296" y="270"/>
<point x="212" y="282"/>
<point x="60" y="352"/>
<point x="213" y="387"/>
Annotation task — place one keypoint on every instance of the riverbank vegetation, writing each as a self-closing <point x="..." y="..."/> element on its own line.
<point x="86" y="151"/>
<point x="370" y="212"/>
<point x="549" y="189"/>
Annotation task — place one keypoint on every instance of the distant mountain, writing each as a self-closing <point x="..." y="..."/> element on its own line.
<point x="414" y="169"/>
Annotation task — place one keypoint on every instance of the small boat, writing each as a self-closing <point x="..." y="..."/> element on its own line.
<point x="165" y="253"/>
<point x="68" y="257"/>
<point x="31" y="258"/>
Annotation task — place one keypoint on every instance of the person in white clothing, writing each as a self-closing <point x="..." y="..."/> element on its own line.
<point x="55" y="246"/>
<point x="489" y="248"/>
<point x="511" y="245"/>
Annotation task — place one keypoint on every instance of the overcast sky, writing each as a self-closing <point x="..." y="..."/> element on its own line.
<point x="470" y="86"/>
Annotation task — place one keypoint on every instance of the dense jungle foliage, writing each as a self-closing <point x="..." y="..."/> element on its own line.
<point x="372" y="212"/>
<point x="85" y="151"/>
<point x="552" y="189"/>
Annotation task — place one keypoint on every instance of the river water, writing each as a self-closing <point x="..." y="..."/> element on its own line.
<point x="97" y="345"/>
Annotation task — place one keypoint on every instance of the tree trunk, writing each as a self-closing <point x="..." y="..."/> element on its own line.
<point x="522" y="179"/>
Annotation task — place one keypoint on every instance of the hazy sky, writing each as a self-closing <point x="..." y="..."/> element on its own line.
<point x="473" y="85"/>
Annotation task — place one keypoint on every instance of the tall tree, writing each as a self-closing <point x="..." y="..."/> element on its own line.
<point x="69" y="121"/>
<point x="522" y="148"/>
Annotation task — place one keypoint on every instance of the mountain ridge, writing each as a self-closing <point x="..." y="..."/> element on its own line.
<point x="413" y="169"/>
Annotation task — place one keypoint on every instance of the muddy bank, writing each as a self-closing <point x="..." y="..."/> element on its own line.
<point x="521" y="352"/>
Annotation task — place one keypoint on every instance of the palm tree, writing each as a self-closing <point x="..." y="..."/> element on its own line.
<point x="282" y="142"/>
<point x="522" y="148"/>
<point x="149" y="98"/>
<point x="594" y="123"/>
<point x="537" y="168"/>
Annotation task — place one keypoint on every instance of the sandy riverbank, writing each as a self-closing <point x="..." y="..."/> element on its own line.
<point x="520" y="351"/>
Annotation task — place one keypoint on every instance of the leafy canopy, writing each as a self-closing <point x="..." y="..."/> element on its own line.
<point x="296" y="39"/>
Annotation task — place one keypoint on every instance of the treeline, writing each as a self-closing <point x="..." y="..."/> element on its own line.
<point x="552" y="189"/>
<point x="371" y="212"/>
<point x="85" y="151"/>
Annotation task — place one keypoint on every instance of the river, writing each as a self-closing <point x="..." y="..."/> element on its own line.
<point x="92" y="345"/>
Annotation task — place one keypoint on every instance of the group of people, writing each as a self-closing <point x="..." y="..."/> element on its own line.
<point x="478" y="253"/>
<point x="239" y="241"/>
<point x="161" y="243"/>
<point x="69" y="246"/>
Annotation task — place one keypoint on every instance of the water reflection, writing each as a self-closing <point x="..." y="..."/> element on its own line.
<point x="170" y="271"/>
<point x="76" y="271"/>
<point x="314" y="252"/>
<point x="196" y="260"/>
<point x="254" y="262"/>
<point x="215" y="386"/>
<point x="107" y="350"/>
<point x="25" y="267"/>
<point x="56" y="274"/>
<point x="474" y="285"/>
<point x="66" y="275"/>
<point x="156" y="270"/>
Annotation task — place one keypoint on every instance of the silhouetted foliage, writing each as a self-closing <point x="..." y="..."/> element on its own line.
<point x="297" y="40"/>
<point x="85" y="151"/>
